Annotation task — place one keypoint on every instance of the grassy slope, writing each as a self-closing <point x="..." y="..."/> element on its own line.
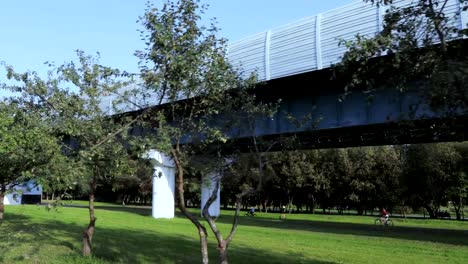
<point x="30" y="234"/>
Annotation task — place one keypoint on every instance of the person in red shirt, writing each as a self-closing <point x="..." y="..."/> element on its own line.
<point x="384" y="215"/>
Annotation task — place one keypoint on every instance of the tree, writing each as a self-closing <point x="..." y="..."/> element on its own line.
<point x="300" y="176"/>
<point x="136" y="186"/>
<point x="184" y="66"/>
<point x="458" y="192"/>
<point x="387" y="173"/>
<point x="431" y="171"/>
<point x="94" y="141"/>
<point x="27" y="142"/>
<point x="421" y="48"/>
<point x="420" y="45"/>
<point x="336" y="165"/>
<point x="60" y="177"/>
<point x="100" y="147"/>
<point x="362" y="180"/>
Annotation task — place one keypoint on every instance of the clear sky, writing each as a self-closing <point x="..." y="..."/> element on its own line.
<point x="35" y="31"/>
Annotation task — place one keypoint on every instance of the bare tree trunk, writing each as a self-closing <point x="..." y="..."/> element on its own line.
<point x="431" y="211"/>
<point x="180" y="188"/>
<point x="457" y="211"/>
<point x="89" y="232"/>
<point x="223" y="244"/>
<point x="265" y="205"/>
<point x="290" y="204"/>
<point x="312" y="206"/>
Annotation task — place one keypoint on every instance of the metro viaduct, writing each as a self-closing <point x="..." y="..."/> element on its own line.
<point x="390" y="118"/>
<point x="293" y="62"/>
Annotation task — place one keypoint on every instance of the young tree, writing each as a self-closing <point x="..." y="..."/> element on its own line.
<point x="27" y="142"/>
<point x="247" y="113"/>
<point x="184" y="67"/>
<point x="99" y="147"/>
<point x="94" y="141"/>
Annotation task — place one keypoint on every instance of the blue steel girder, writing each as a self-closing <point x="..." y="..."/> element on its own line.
<point x="387" y="116"/>
<point x="332" y="111"/>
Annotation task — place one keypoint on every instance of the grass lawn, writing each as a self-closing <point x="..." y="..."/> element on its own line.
<point x="30" y="234"/>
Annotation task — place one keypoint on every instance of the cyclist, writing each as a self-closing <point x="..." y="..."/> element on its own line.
<point x="251" y="211"/>
<point x="384" y="216"/>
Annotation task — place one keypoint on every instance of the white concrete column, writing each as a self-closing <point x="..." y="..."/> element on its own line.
<point x="208" y="185"/>
<point x="163" y="185"/>
<point x="12" y="199"/>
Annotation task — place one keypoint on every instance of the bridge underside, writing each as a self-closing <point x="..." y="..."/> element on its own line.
<point x="386" y="117"/>
<point x="394" y="133"/>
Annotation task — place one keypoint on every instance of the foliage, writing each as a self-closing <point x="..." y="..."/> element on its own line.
<point x="184" y="66"/>
<point x="27" y="143"/>
<point x="362" y="178"/>
<point x="92" y="141"/>
<point x="135" y="186"/>
<point x="420" y="46"/>
<point x="432" y="172"/>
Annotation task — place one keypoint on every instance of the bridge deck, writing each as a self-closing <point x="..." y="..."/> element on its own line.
<point x="312" y="43"/>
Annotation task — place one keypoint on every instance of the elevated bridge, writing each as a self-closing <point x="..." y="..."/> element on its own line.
<point x="293" y="63"/>
<point x="311" y="44"/>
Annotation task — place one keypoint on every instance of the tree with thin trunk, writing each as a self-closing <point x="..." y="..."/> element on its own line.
<point x="76" y="98"/>
<point x="186" y="77"/>
<point x="244" y="111"/>
<point x="99" y="139"/>
<point x="27" y="142"/>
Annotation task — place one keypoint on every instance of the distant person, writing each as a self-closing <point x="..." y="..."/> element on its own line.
<point x="384" y="215"/>
<point x="252" y="210"/>
<point x="283" y="213"/>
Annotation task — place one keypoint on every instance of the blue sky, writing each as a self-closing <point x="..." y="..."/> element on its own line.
<point x="33" y="31"/>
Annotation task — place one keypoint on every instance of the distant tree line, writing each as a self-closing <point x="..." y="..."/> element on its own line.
<point x="364" y="179"/>
<point x="425" y="176"/>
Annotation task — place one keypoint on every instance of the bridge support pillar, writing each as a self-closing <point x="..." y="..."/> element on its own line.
<point x="163" y="185"/>
<point x="208" y="185"/>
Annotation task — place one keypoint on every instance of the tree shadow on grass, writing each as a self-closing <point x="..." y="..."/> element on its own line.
<point x="23" y="238"/>
<point x="437" y="235"/>
<point x="139" y="210"/>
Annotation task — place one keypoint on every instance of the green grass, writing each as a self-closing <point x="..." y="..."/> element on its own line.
<point x="30" y="234"/>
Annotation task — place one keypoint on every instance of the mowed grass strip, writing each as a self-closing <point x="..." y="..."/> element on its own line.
<point x="31" y="234"/>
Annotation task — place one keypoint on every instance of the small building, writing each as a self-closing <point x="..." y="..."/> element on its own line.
<point x="27" y="193"/>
